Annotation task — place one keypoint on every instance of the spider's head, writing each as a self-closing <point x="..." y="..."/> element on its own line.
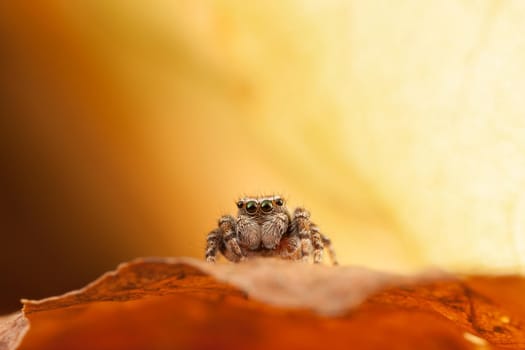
<point x="260" y="206"/>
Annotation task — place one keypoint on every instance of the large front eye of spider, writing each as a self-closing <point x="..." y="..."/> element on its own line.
<point x="251" y="207"/>
<point x="266" y="206"/>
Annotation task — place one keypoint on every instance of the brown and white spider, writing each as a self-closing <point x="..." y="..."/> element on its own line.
<point x="264" y="227"/>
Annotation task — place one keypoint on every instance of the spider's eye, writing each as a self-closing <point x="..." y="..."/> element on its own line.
<point x="279" y="202"/>
<point x="239" y="204"/>
<point x="251" y="207"/>
<point x="266" y="206"/>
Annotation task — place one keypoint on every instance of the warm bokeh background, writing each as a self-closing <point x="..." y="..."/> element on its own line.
<point x="127" y="128"/>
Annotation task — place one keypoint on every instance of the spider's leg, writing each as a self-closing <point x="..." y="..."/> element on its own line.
<point x="232" y="250"/>
<point x="212" y="244"/>
<point x="331" y="252"/>
<point x="317" y="243"/>
<point x="301" y="222"/>
<point x="292" y="249"/>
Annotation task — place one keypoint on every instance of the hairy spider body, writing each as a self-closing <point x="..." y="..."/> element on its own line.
<point x="265" y="227"/>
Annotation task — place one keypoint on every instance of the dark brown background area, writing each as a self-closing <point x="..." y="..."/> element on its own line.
<point x="68" y="204"/>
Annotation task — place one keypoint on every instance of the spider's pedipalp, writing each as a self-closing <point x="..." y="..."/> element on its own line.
<point x="249" y="232"/>
<point x="273" y="230"/>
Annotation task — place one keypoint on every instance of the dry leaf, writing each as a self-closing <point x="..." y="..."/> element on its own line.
<point x="188" y="304"/>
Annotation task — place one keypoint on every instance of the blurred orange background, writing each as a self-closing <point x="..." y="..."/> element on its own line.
<point x="127" y="129"/>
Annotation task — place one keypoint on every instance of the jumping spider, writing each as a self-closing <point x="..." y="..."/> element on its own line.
<point x="264" y="227"/>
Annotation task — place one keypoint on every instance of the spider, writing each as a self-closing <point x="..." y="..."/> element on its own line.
<point x="264" y="227"/>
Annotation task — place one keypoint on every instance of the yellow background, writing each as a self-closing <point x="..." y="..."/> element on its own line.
<point x="128" y="128"/>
